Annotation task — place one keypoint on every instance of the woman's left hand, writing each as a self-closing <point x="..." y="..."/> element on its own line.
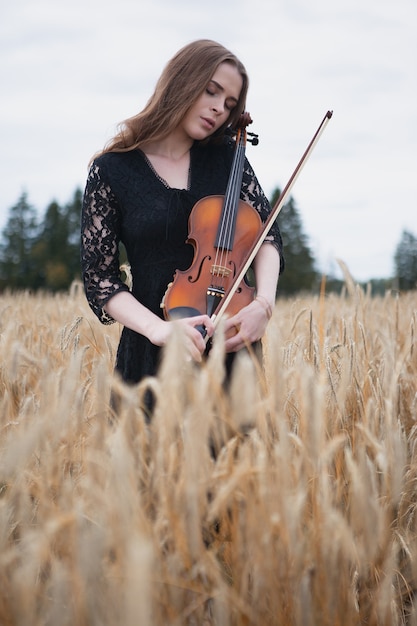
<point x="250" y="324"/>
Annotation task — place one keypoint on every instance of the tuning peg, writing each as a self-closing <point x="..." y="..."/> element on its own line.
<point x="253" y="139"/>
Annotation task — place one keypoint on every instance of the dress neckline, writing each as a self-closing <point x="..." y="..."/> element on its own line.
<point x="162" y="180"/>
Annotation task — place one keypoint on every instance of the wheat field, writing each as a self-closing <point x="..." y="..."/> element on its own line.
<point x="287" y="499"/>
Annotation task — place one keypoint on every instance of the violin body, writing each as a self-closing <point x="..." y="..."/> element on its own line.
<point x="201" y="288"/>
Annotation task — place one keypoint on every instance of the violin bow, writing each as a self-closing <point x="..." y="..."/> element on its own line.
<point x="269" y="222"/>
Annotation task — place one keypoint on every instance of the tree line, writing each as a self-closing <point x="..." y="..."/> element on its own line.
<point x="44" y="254"/>
<point x="41" y="254"/>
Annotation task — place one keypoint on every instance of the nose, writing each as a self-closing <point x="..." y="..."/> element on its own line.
<point x="218" y="107"/>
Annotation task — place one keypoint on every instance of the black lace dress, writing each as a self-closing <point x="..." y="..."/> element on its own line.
<point x="126" y="201"/>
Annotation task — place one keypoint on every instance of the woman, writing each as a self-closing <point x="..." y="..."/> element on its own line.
<point x="140" y="191"/>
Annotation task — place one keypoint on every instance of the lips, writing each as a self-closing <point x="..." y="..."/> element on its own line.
<point x="209" y="122"/>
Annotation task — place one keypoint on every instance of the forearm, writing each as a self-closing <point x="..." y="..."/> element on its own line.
<point x="266" y="267"/>
<point x="125" y="309"/>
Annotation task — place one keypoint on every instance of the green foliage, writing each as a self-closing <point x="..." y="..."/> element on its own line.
<point x="405" y="261"/>
<point x="41" y="255"/>
<point x="300" y="273"/>
<point x="16" y="248"/>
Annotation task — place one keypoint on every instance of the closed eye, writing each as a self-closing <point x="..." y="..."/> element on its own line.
<point x="214" y="88"/>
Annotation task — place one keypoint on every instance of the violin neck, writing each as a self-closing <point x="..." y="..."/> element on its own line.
<point x="227" y="226"/>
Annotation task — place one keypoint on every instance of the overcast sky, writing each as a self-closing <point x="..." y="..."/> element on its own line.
<point x="70" y="71"/>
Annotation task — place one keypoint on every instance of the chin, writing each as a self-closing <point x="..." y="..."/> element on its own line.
<point x="201" y="136"/>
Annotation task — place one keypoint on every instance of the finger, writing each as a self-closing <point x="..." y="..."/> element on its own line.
<point x="235" y="342"/>
<point x="192" y="349"/>
<point x="231" y="345"/>
<point x="195" y="338"/>
<point x="205" y="321"/>
<point x="209" y="325"/>
<point x="232" y="322"/>
<point x="203" y="324"/>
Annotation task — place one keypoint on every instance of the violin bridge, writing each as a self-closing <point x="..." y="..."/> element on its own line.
<point x="220" y="270"/>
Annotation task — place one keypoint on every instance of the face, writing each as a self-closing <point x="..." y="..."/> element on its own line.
<point x="213" y="107"/>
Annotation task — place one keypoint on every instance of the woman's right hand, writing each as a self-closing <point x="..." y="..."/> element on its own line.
<point x="195" y="343"/>
<point x="124" y="308"/>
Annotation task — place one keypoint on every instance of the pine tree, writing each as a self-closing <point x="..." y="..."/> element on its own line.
<point x="49" y="249"/>
<point x="300" y="273"/>
<point x="17" y="269"/>
<point x="44" y="254"/>
<point x="72" y="217"/>
<point x="57" y="248"/>
<point x="405" y="261"/>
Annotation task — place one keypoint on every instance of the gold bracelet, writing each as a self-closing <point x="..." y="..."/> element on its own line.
<point x="265" y="305"/>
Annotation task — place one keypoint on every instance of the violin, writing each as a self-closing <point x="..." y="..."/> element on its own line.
<point x="226" y="234"/>
<point x="221" y="231"/>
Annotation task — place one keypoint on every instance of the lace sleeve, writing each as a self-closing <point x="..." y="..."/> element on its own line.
<point x="253" y="194"/>
<point x="100" y="236"/>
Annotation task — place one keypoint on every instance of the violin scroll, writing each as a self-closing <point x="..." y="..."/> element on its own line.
<point x="244" y="121"/>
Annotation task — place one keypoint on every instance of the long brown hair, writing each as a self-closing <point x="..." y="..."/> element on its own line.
<point x="181" y="83"/>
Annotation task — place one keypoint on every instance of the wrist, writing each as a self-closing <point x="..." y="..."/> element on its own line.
<point x="154" y="329"/>
<point x="265" y="304"/>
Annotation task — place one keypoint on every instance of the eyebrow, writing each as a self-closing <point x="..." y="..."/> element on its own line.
<point x="222" y="89"/>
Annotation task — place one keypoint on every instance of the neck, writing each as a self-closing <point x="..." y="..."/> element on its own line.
<point x="173" y="147"/>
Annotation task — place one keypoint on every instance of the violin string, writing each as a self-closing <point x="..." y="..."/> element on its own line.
<point x="224" y="226"/>
<point x="224" y="230"/>
<point x="232" y="196"/>
<point x="231" y="209"/>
